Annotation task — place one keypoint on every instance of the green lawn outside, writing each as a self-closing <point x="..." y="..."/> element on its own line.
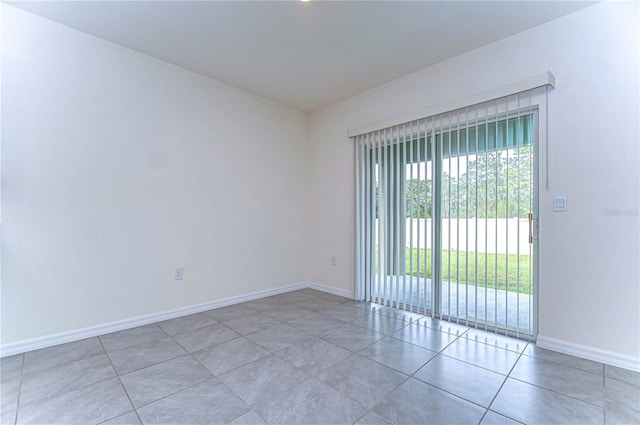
<point x="455" y="268"/>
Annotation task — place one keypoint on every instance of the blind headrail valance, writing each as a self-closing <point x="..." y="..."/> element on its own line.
<point x="542" y="80"/>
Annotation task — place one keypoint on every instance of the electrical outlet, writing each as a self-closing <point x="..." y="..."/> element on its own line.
<point x="333" y="261"/>
<point x="178" y="273"/>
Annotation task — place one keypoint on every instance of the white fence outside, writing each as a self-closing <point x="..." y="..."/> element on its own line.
<point x="502" y="235"/>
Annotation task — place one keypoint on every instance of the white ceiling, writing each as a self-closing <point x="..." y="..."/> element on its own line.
<point x="307" y="55"/>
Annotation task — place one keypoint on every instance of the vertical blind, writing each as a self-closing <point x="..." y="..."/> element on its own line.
<point x="445" y="209"/>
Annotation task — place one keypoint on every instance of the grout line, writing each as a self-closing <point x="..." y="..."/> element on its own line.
<point x="473" y="364"/>
<point x="311" y="376"/>
<point x="557" y="392"/>
<point x="121" y="384"/>
<point x="173" y="393"/>
<point x="217" y="378"/>
<point x="66" y="362"/>
<point x="565" y="364"/>
<point x="77" y="387"/>
<point x="505" y="381"/>
<point x="149" y="365"/>
<point x="15" y="418"/>
<point x="21" y="377"/>
<point x="604" y="396"/>
<point x="483" y="415"/>
<point x="361" y="416"/>
<point x="177" y="392"/>
<point x="452" y="394"/>
<point x="136" y="344"/>
<point x="544" y="388"/>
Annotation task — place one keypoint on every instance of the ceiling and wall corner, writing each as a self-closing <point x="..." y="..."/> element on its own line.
<point x="110" y="152"/>
<point x="306" y="55"/>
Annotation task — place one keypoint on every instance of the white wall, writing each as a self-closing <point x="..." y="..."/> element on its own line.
<point x="589" y="272"/>
<point x="116" y="167"/>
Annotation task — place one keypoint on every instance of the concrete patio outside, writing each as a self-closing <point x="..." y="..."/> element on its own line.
<point x="463" y="304"/>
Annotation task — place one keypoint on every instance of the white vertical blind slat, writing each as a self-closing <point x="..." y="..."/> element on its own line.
<point x="476" y="220"/>
<point x="392" y="215"/>
<point x="358" y="146"/>
<point x="449" y="223"/>
<point x="417" y="214"/>
<point x="506" y="233"/>
<point x="426" y="217"/>
<point x="466" y="233"/>
<point x="379" y="216"/>
<point x="411" y="215"/>
<point x="495" y="261"/>
<point x="404" y="267"/>
<point x="486" y="218"/>
<point x="531" y="209"/>
<point x="457" y="283"/>
<point x="518" y="142"/>
<point x="399" y="217"/>
<point x="434" y="215"/>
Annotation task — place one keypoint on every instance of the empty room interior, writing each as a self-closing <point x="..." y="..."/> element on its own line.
<point x="315" y="212"/>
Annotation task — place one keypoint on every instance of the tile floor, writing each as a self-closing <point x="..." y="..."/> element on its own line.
<point x="310" y="357"/>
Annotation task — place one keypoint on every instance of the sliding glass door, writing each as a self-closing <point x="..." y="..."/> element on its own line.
<point x="486" y="255"/>
<point x="399" y="182"/>
<point x="445" y="217"/>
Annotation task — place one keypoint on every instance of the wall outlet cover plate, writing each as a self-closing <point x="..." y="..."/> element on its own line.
<point x="559" y="203"/>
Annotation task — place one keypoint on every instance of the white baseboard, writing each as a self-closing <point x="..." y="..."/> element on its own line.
<point x="578" y="350"/>
<point x="91" y="331"/>
<point x="590" y="353"/>
<point x="330" y="290"/>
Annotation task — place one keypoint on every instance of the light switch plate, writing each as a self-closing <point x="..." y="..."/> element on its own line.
<point x="559" y="203"/>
